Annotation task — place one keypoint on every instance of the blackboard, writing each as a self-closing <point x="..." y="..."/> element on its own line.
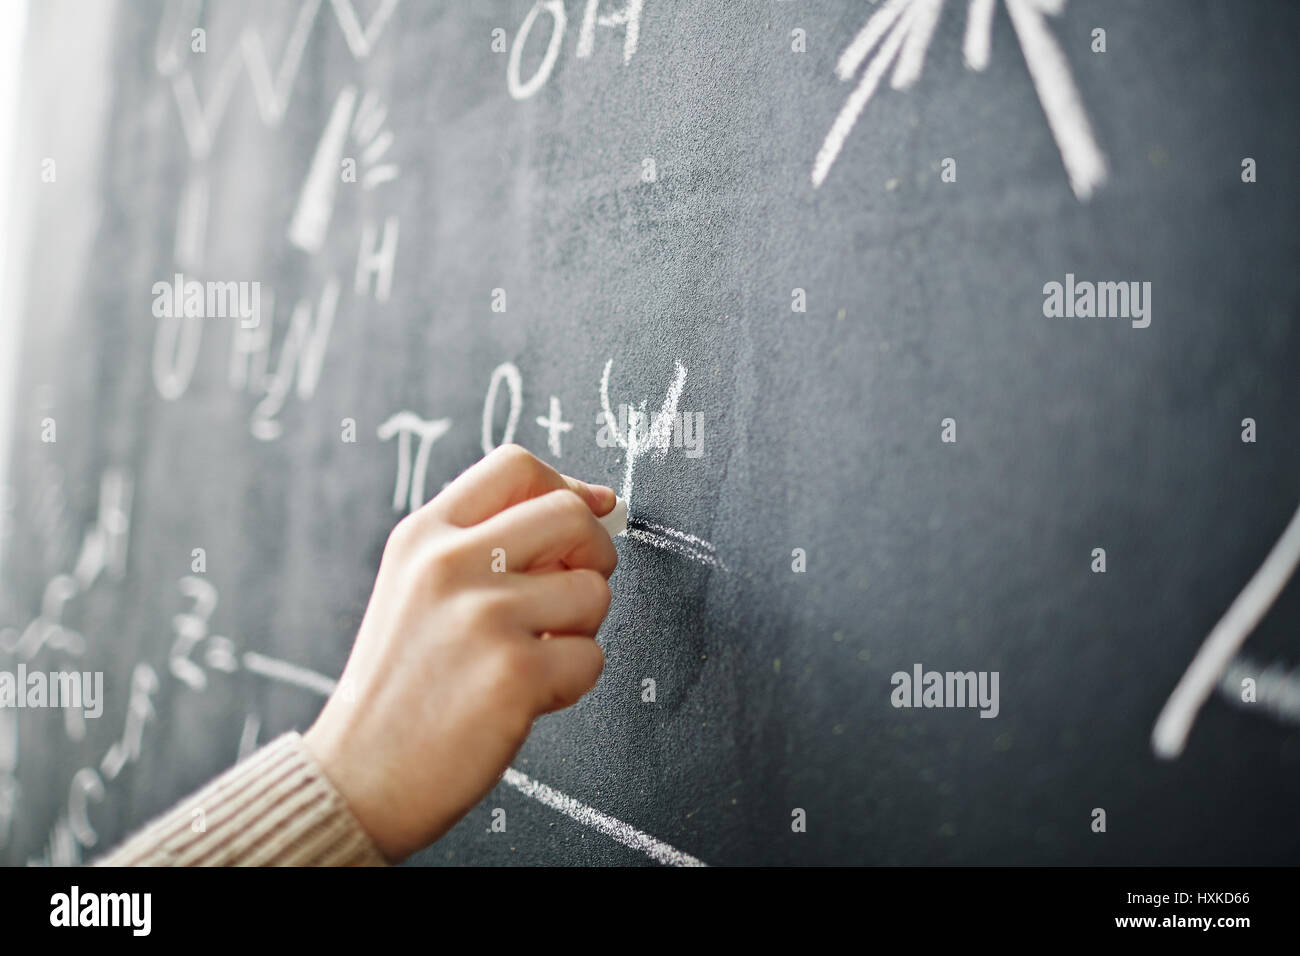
<point x="831" y="231"/>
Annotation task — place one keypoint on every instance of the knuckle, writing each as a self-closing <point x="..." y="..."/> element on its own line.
<point x="438" y="564"/>
<point x="492" y="608"/>
<point x="402" y="538"/>
<point x="590" y="670"/>
<point x="515" y="456"/>
<point x="594" y="589"/>
<point x="610" y="561"/>
<point x="513" y="671"/>
<point x="568" y="506"/>
<point x="597" y="662"/>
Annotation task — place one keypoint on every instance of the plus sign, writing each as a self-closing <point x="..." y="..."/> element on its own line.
<point x="555" y="426"/>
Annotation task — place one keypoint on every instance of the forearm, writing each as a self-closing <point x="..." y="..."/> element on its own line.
<point x="277" y="808"/>
<point x="455" y="658"/>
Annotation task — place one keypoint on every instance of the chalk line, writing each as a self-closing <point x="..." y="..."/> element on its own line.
<point x="273" y="92"/>
<point x="675" y="547"/>
<point x="676" y="542"/>
<point x="1084" y="163"/>
<point x="361" y="40"/>
<point x="1277" y="692"/>
<point x="1169" y="736"/>
<point x="673" y="532"/>
<point x="8" y="770"/>
<point x="912" y="58"/>
<point x="868" y="37"/>
<point x="311" y="218"/>
<point x="378" y="146"/>
<point x="611" y="827"/>
<point x="288" y="673"/>
<point x="199" y="121"/>
<point x="861" y="96"/>
<point x="248" y="737"/>
<point x="176" y="20"/>
<point x="410" y="477"/>
<point x="370" y="117"/>
<point x="978" y="43"/>
<point x="615" y="829"/>
<point x="629" y="17"/>
<point x="379" y="175"/>
<point x="509" y="373"/>
<point x="272" y="88"/>
<point x="192" y="219"/>
<point x="660" y="433"/>
<point x="658" y="436"/>
<point x="908" y="26"/>
<point x="8" y="740"/>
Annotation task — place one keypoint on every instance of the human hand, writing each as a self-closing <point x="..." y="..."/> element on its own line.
<point x="463" y="646"/>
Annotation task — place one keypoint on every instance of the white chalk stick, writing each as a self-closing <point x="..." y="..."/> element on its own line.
<point x="616" y="521"/>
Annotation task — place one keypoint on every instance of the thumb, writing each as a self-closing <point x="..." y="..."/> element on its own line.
<point x="600" y="498"/>
<point x="572" y="666"/>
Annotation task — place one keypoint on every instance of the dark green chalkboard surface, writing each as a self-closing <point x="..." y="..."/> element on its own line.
<point x="956" y="337"/>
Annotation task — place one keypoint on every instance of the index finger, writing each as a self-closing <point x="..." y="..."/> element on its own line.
<point x="506" y="477"/>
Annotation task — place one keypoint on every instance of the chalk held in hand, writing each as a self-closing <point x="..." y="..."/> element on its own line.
<point x="616" y="521"/>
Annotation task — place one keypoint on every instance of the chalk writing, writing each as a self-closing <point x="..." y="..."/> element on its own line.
<point x="628" y="17"/>
<point x="900" y="31"/>
<point x="409" y="490"/>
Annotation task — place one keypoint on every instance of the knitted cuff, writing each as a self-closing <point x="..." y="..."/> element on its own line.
<point x="277" y="808"/>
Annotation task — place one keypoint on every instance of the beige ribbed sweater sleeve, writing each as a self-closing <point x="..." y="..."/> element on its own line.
<point x="276" y="808"/>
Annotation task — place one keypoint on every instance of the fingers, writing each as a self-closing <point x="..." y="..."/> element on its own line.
<point x="506" y="477"/>
<point x="557" y="527"/>
<point x="562" y="602"/>
<point x="570" y="666"/>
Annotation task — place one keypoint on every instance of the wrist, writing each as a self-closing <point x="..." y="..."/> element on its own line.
<point x="327" y="751"/>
